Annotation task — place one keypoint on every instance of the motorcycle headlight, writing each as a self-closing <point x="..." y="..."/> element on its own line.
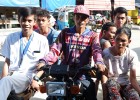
<point x="56" y="88"/>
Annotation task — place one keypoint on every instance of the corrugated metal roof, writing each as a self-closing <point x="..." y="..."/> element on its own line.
<point x="98" y="4"/>
<point x="128" y="4"/>
<point x="106" y="4"/>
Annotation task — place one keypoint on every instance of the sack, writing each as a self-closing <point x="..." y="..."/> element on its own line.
<point x="13" y="96"/>
<point x="27" y="94"/>
<point x="59" y="70"/>
<point x="22" y="96"/>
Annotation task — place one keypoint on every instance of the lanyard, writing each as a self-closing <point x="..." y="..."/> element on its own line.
<point x="23" y="51"/>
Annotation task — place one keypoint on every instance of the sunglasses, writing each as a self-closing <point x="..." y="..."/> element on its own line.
<point x="82" y="16"/>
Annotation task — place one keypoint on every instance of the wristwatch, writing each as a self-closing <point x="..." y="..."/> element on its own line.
<point x="36" y="78"/>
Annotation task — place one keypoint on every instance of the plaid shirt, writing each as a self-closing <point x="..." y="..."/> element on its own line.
<point x="74" y="46"/>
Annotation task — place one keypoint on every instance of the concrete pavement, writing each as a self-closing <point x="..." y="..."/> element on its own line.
<point x="135" y="45"/>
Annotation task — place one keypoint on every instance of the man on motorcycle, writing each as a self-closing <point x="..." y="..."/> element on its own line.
<point x="78" y="45"/>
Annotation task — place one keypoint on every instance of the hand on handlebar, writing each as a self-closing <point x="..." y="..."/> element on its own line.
<point x="35" y="85"/>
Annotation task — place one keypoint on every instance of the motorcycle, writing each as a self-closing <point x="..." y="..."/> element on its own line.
<point x="68" y="83"/>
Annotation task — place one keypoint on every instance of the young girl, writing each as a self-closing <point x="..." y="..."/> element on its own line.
<point x="121" y="63"/>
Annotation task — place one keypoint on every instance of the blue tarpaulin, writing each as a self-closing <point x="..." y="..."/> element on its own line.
<point x="19" y="3"/>
<point x="51" y="5"/>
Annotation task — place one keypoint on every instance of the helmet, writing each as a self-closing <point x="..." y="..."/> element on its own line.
<point x="81" y="9"/>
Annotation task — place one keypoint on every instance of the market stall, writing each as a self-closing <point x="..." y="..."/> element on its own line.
<point x="8" y="11"/>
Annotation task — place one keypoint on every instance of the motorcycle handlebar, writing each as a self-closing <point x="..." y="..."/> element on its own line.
<point x="86" y="67"/>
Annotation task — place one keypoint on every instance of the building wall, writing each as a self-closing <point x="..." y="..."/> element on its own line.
<point x="135" y="15"/>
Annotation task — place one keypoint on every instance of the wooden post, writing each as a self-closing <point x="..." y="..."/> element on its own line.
<point x="112" y="10"/>
<point x="5" y="23"/>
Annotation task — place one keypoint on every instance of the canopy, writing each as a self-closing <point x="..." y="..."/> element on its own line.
<point x="106" y="4"/>
<point x="51" y="5"/>
<point x="98" y="4"/>
<point x="19" y="3"/>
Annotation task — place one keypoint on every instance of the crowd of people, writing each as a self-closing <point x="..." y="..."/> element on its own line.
<point x="30" y="49"/>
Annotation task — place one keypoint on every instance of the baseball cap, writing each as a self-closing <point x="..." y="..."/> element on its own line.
<point x="81" y="9"/>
